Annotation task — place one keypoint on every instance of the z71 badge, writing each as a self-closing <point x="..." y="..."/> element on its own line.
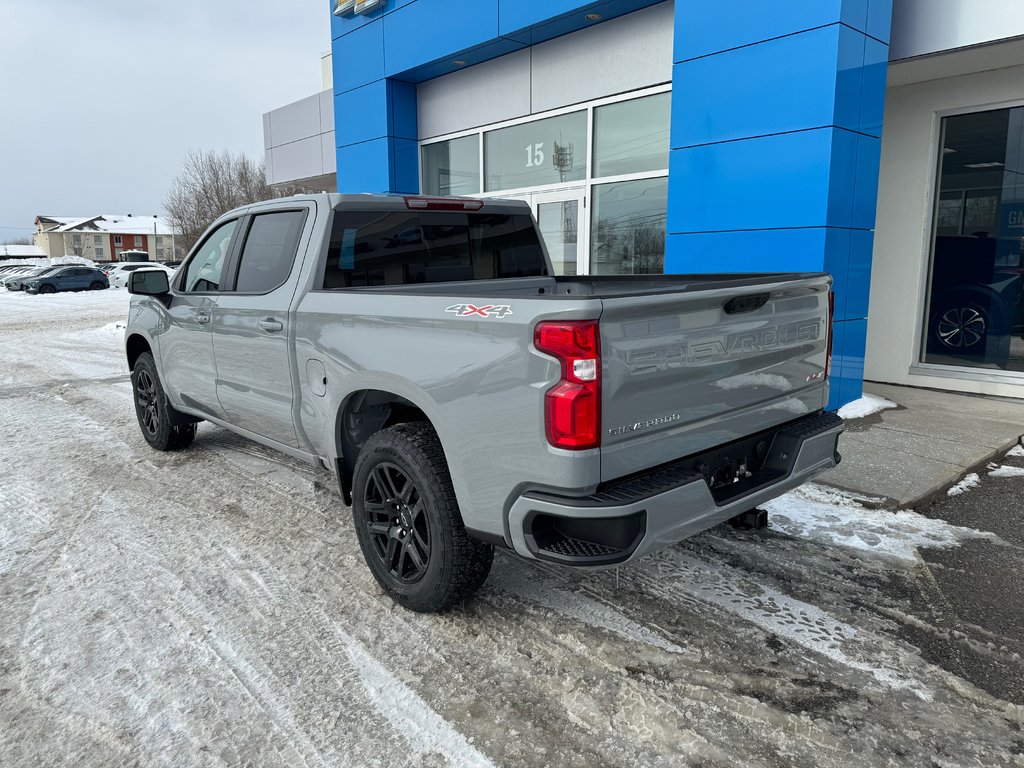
<point x="471" y="310"/>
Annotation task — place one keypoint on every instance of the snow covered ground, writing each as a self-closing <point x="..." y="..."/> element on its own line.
<point x="211" y="608"/>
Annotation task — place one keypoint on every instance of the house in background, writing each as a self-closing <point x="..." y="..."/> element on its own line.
<point x="105" y="237"/>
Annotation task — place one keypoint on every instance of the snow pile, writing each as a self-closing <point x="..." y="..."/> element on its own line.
<point x="1017" y="451"/>
<point x="830" y="517"/>
<point x="46" y="262"/>
<point x="964" y="485"/>
<point x="1006" y="471"/>
<point x="865" y="406"/>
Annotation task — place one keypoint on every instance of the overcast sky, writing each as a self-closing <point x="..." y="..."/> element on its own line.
<point x="101" y="99"/>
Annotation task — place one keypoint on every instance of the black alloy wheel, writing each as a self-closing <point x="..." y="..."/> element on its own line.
<point x="961" y="328"/>
<point x="394" y="515"/>
<point x="148" y="403"/>
<point x="47" y="289"/>
<point x="408" y="522"/>
<point x="164" y="428"/>
<point x="97" y="286"/>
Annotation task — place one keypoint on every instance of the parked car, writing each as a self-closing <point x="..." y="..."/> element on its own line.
<point x="977" y="295"/>
<point x="68" y="279"/>
<point x="17" y="281"/>
<point x="466" y="398"/>
<point x="118" y="273"/>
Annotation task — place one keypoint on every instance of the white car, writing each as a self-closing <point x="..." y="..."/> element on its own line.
<point x="118" y="273"/>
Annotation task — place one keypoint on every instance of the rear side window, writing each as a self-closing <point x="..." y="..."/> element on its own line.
<point x="403" y="247"/>
<point x="269" y="251"/>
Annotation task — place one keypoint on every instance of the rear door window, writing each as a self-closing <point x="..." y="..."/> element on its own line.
<point x="269" y="251"/>
<point x="405" y="247"/>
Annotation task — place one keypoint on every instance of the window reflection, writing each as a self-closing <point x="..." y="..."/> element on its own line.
<point x="452" y="167"/>
<point x="632" y="136"/>
<point x="628" y="229"/>
<point x="976" y="294"/>
<point x="541" y="152"/>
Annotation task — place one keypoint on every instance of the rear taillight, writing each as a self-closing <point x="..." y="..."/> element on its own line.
<point x="572" y="408"/>
<point x="831" y="332"/>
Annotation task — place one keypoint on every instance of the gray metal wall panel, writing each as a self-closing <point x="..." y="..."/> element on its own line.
<point x="487" y="93"/>
<point x="327" y="148"/>
<point x="298" y="160"/>
<point x="326" y="111"/>
<point x="267" y="140"/>
<point x="624" y="54"/>
<point x="616" y="56"/>
<point x="296" y="121"/>
<point x="921" y="27"/>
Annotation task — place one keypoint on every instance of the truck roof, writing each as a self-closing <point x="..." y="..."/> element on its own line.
<point x="394" y="201"/>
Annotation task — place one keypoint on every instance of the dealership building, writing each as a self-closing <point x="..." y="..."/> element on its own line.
<point x="879" y="140"/>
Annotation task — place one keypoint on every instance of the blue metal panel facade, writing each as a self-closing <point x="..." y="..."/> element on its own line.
<point x="776" y="124"/>
<point x="776" y="143"/>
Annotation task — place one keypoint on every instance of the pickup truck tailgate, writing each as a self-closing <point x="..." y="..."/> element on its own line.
<point x="690" y="370"/>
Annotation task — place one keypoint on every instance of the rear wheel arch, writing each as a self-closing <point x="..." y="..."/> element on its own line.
<point x="362" y="415"/>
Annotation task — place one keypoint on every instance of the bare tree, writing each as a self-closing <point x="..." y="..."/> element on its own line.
<point x="208" y="185"/>
<point x="78" y="244"/>
<point x="18" y="241"/>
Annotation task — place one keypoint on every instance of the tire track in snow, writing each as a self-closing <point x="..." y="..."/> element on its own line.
<point x="413" y="719"/>
<point x="677" y="576"/>
<point x="514" y="579"/>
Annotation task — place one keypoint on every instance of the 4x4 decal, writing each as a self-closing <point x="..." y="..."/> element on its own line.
<point x="471" y="310"/>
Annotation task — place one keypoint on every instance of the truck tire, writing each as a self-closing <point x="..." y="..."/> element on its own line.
<point x="408" y="522"/>
<point x="153" y="410"/>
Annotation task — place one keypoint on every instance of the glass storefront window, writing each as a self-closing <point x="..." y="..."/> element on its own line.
<point x="975" y="313"/>
<point x="632" y="136"/>
<point x="628" y="228"/>
<point x="452" y="167"/>
<point x="533" y="154"/>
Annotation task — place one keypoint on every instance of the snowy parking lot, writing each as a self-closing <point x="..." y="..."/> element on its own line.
<point x="211" y="607"/>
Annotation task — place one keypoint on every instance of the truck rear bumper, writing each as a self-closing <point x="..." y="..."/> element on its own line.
<point x="628" y="518"/>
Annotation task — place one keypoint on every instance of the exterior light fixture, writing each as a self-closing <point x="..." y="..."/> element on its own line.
<point x="459" y="63"/>
<point x="342" y="7"/>
<point x="983" y="165"/>
<point x="594" y="16"/>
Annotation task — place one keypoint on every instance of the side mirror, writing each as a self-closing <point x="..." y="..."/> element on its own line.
<point x="148" y="282"/>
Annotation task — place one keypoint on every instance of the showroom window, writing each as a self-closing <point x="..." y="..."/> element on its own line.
<point x="632" y="136"/>
<point x="629" y="227"/>
<point x="975" y="310"/>
<point x="549" y="151"/>
<point x="595" y="177"/>
<point x="452" y="167"/>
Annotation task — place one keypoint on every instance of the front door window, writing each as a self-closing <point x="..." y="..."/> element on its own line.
<point x="975" y="314"/>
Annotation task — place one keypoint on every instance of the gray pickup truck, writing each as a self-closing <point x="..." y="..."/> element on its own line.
<point x="464" y="397"/>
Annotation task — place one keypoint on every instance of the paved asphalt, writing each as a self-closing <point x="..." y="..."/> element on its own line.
<point x="971" y="597"/>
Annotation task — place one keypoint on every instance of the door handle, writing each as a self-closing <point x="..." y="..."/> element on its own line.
<point x="202" y="316"/>
<point x="270" y="325"/>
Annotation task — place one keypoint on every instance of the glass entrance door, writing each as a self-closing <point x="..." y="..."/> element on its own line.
<point x="563" y="225"/>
